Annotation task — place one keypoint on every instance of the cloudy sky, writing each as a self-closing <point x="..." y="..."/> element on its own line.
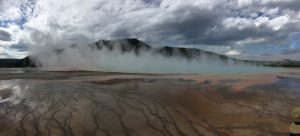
<point x="248" y="29"/>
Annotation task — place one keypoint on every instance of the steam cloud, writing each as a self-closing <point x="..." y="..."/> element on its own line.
<point x="87" y="58"/>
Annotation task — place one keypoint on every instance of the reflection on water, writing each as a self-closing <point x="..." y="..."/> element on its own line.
<point x="11" y="71"/>
<point x="289" y="82"/>
<point x="11" y="91"/>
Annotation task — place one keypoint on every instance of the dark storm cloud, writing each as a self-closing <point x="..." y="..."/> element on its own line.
<point x="192" y="25"/>
<point x="189" y="26"/>
<point x="262" y="34"/>
<point x="174" y="22"/>
<point x="5" y="36"/>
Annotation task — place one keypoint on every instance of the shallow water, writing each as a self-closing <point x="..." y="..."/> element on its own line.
<point x="97" y="103"/>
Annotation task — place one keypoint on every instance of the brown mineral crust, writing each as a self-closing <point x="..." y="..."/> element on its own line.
<point x="156" y="105"/>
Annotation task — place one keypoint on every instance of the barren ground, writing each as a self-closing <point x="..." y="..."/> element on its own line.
<point x="35" y="102"/>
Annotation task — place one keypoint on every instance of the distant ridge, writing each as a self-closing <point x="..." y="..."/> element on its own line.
<point x="137" y="47"/>
<point x="17" y="63"/>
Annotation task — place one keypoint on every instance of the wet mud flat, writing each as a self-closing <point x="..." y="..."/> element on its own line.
<point x="113" y="104"/>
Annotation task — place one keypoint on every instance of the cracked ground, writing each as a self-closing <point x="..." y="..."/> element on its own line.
<point x="40" y="103"/>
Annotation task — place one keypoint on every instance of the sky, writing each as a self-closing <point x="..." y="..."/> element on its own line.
<point x="245" y="29"/>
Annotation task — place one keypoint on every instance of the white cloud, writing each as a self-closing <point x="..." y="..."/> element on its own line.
<point x="271" y="11"/>
<point x="12" y="9"/>
<point x="232" y="53"/>
<point x="243" y="3"/>
<point x="279" y="22"/>
<point x="12" y="53"/>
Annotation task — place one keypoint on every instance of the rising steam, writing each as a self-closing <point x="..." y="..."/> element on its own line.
<point x="146" y="61"/>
